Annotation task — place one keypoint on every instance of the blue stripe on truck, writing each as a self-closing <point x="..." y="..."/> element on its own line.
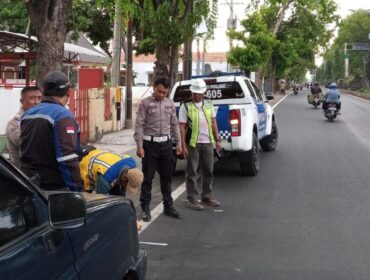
<point x="222" y="118"/>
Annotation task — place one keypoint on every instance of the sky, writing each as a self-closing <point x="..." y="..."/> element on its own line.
<point x="220" y="44"/>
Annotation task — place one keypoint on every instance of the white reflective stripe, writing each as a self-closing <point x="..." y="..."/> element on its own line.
<point x="39" y="116"/>
<point x="102" y="163"/>
<point x="72" y="156"/>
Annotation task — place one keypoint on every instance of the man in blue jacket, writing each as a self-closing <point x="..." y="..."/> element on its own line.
<point x="50" y="141"/>
<point x="332" y="96"/>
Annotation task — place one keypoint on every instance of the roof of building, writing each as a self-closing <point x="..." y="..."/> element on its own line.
<point x="13" y="42"/>
<point x="209" y="57"/>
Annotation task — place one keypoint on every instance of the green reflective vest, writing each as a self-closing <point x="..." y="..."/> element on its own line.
<point x="193" y="119"/>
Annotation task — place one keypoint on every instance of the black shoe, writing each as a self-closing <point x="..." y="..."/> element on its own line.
<point x="171" y="212"/>
<point x="145" y="215"/>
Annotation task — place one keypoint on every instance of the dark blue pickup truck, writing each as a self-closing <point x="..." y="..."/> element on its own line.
<point x="65" y="235"/>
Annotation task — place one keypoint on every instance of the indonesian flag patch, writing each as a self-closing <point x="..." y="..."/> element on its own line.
<point x="70" y="129"/>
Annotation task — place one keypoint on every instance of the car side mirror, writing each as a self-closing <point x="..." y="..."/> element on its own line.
<point x="67" y="210"/>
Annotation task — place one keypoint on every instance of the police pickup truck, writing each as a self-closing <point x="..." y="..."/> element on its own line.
<point x="245" y="120"/>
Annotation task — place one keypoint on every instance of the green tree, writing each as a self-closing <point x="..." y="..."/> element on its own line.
<point x="49" y="19"/>
<point x="95" y="19"/>
<point x="284" y="36"/>
<point x="162" y="26"/>
<point x="353" y="29"/>
<point x="13" y="16"/>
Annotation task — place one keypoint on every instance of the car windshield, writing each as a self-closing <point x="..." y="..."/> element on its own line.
<point x="215" y="91"/>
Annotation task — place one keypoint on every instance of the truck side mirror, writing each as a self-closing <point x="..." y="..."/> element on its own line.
<point x="67" y="210"/>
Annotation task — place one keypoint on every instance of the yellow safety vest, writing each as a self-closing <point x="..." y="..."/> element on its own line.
<point x="94" y="163"/>
<point x="193" y="115"/>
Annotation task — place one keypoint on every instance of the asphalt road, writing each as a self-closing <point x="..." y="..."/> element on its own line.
<point x="305" y="216"/>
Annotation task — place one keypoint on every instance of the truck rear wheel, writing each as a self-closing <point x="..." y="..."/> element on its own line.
<point x="269" y="143"/>
<point x="250" y="161"/>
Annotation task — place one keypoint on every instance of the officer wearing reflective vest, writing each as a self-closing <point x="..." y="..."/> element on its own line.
<point x="106" y="172"/>
<point x="199" y="134"/>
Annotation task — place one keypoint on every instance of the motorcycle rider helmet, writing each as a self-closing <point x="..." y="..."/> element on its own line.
<point x="333" y="86"/>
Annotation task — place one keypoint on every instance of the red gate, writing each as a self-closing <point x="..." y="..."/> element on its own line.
<point x="79" y="106"/>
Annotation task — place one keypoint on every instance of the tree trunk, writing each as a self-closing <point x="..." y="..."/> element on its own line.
<point x="162" y="54"/>
<point x="49" y="20"/>
<point x="174" y="65"/>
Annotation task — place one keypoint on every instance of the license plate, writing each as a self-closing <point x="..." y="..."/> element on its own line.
<point x="316" y="100"/>
<point x="332" y="109"/>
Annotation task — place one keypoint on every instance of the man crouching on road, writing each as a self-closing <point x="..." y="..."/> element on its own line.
<point x="109" y="173"/>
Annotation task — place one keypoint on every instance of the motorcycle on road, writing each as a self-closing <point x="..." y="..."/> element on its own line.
<point x="331" y="111"/>
<point x="315" y="100"/>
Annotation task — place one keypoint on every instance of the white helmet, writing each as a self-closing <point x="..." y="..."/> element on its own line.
<point x="198" y="86"/>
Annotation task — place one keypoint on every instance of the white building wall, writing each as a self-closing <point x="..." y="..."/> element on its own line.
<point x="142" y="69"/>
<point x="9" y="106"/>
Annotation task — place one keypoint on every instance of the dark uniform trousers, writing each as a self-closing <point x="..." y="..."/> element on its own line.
<point x="157" y="157"/>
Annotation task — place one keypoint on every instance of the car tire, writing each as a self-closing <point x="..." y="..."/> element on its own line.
<point x="249" y="161"/>
<point x="269" y="143"/>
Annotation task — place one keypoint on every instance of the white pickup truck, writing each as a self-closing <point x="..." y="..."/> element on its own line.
<point x="245" y="120"/>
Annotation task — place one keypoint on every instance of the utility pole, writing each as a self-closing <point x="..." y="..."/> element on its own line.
<point x="231" y="25"/>
<point x="128" y="122"/>
<point x="116" y="59"/>
<point x="346" y="61"/>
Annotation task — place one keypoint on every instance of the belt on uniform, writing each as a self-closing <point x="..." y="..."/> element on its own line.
<point x="157" y="139"/>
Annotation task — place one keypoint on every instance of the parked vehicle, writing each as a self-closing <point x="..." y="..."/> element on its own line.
<point x="245" y="120"/>
<point x="331" y="111"/>
<point x="65" y="235"/>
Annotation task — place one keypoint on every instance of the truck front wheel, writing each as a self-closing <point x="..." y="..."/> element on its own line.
<point x="250" y="161"/>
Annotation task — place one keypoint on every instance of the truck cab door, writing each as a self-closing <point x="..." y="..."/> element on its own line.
<point x="29" y="247"/>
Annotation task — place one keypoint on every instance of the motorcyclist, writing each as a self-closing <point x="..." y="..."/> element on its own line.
<point x="295" y="88"/>
<point x="316" y="90"/>
<point x="332" y="96"/>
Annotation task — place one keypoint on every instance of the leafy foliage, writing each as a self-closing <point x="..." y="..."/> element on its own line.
<point x="353" y="29"/>
<point x="283" y="36"/>
<point x="13" y="15"/>
<point x="95" y="19"/>
<point x="168" y="21"/>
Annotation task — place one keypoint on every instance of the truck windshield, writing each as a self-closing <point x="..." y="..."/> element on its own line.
<point x="215" y="91"/>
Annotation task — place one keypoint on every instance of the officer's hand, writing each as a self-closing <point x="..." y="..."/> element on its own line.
<point x="218" y="146"/>
<point x="178" y="150"/>
<point x="140" y="152"/>
<point x="185" y="151"/>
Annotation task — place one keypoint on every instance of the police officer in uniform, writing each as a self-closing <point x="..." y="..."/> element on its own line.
<point x="156" y="128"/>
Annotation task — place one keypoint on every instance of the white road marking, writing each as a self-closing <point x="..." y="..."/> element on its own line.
<point x="274" y="106"/>
<point x="153" y="243"/>
<point x="158" y="210"/>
